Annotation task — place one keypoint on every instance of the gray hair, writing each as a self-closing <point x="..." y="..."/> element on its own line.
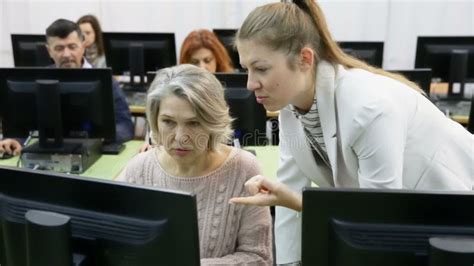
<point x="204" y="93"/>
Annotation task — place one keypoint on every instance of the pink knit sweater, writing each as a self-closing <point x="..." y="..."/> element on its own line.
<point x="228" y="234"/>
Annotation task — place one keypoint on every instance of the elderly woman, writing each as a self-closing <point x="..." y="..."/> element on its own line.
<point x="190" y="123"/>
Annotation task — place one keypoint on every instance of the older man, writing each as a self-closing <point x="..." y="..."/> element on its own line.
<point x="65" y="44"/>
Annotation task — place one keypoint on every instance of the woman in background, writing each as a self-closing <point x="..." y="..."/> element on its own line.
<point x="202" y="48"/>
<point x="93" y="40"/>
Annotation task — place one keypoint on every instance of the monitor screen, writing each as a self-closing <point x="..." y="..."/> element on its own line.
<point x="421" y="76"/>
<point x="470" y="123"/>
<point x="250" y="116"/>
<point x="30" y="50"/>
<point x="437" y="52"/>
<point x="110" y="223"/>
<point x="227" y="36"/>
<point x="369" y="52"/>
<point x="361" y="227"/>
<point x="137" y="53"/>
<point x="80" y="105"/>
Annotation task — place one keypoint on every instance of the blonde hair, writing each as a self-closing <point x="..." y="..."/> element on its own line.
<point x="204" y="93"/>
<point x="289" y="27"/>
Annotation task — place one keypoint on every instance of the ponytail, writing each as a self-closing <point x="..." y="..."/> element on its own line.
<point x="291" y="26"/>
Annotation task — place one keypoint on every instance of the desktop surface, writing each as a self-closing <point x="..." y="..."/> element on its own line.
<point x="110" y="166"/>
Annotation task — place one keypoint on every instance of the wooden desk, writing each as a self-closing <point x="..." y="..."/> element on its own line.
<point x="109" y="166"/>
<point x="439" y="88"/>
<point x="137" y="110"/>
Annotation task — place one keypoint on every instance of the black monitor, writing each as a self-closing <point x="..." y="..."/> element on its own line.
<point x="369" y="52"/>
<point x="54" y="219"/>
<point x="250" y="116"/>
<point x="138" y="53"/>
<point x="421" y="76"/>
<point x="227" y="37"/>
<point x="355" y="227"/>
<point x="450" y="58"/>
<point x="59" y="103"/>
<point x="30" y="50"/>
<point x="470" y="123"/>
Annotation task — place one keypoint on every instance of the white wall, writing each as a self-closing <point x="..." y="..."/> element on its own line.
<point x="409" y="19"/>
<point x="397" y="22"/>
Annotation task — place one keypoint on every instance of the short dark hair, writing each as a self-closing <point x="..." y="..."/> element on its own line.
<point x="62" y="28"/>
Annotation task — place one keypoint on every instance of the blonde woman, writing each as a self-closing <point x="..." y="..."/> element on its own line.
<point x="190" y="122"/>
<point x="343" y="123"/>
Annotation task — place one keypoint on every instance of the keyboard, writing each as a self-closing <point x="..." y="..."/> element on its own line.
<point x="112" y="148"/>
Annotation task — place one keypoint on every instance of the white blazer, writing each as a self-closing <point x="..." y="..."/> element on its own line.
<point x="386" y="135"/>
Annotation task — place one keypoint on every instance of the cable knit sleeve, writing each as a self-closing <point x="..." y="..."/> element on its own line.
<point x="133" y="171"/>
<point x="254" y="240"/>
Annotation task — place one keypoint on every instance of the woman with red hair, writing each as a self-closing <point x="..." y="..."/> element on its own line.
<point x="203" y="49"/>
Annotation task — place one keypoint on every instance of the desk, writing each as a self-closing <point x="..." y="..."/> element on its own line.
<point x="109" y="166"/>
<point x="106" y="167"/>
<point x="461" y="114"/>
<point x="137" y="110"/>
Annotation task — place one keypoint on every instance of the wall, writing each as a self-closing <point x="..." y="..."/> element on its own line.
<point x="397" y="22"/>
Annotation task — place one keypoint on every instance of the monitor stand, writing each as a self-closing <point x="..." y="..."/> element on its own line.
<point x="54" y="229"/>
<point x="76" y="156"/>
<point x="457" y="74"/>
<point x="136" y="63"/>
<point x="451" y="250"/>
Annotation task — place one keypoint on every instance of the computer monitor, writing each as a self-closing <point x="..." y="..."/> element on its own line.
<point x="138" y="53"/>
<point x="250" y="116"/>
<point x="421" y="76"/>
<point x="369" y="52"/>
<point x="30" y="50"/>
<point x="470" y="123"/>
<point x="110" y="223"/>
<point x="450" y="58"/>
<point x="355" y="227"/>
<point x="227" y="36"/>
<point x="59" y="103"/>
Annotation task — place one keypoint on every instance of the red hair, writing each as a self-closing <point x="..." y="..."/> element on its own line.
<point x="206" y="39"/>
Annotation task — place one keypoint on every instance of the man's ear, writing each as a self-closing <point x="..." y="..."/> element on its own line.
<point x="49" y="50"/>
<point x="306" y="58"/>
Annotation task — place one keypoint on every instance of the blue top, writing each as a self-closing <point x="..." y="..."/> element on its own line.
<point x="124" y="128"/>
